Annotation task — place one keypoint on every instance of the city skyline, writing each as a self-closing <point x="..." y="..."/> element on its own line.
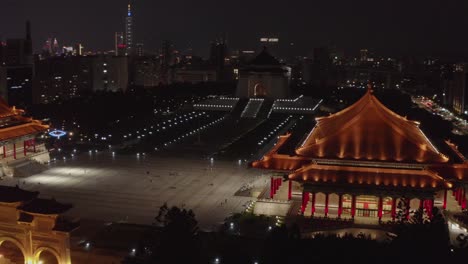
<point x="388" y="27"/>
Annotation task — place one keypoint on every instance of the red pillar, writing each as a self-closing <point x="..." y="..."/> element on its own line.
<point x="408" y="200"/>
<point x="4" y="151"/>
<point x="421" y="204"/>
<point x="340" y="204"/>
<point x="380" y="208"/>
<point x="24" y="148"/>
<point x="272" y="186"/>
<point x="304" y="201"/>
<point x="326" y="204"/>
<point x="353" y="206"/>
<point x="312" y="210"/>
<point x="463" y="198"/>
<point x="393" y="208"/>
<point x="444" y="206"/>
<point x="278" y="184"/>
<point x="14" y="150"/>
<point x="430" y="205"/>
<point x="289" y="190"/>
<point x="460" y="193"/>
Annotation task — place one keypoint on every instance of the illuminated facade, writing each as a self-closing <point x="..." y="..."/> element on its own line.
<point x="17" y="137"/>
<point x="264" y="77"/>
<point x="32" y="230"/>
<point x="362" y="161"/>
<point x="129" y="30"/>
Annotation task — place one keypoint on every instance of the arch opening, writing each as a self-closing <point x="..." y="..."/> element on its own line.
<point x="46" y="256"/>
<point x="11" y="252"/>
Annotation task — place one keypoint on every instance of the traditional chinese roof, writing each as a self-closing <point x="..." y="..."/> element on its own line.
<point x="45" y="206"/>
<point x="382" y="177"/>
<point x="367" y="130"/>
<point x="274" y="161"/>
<point x="7" y="111"/>
<point x="16" y="125"/>
<point x="265" y="58"/>
<point x="453" y="171"/>
<point x="15" y="194"/>
<point x="30" y="128"/>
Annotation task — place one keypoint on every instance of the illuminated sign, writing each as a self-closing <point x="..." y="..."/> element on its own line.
<point x="269" y="39"/>
<point x="57" y="133"/>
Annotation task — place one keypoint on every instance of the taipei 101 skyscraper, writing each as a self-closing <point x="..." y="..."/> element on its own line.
<point x="129" y="30"/>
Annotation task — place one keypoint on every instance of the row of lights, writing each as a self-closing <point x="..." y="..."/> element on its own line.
<point x="188" y="134"/>
<point x="170" y="123"/>
<point x="213" y="106"/>
<point x="297" y="108"/>
<point x="278" y="127"/>
<point x="289" y="100"/>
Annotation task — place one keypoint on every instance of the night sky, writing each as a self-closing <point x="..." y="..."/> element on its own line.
<point x="393" y="27"/>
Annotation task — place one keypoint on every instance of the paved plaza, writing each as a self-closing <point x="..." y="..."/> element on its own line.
<point x="131" y="188"/>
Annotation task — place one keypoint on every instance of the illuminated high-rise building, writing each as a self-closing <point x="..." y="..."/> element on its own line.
<point x="140" y="49"/>
<point x="364" y="54"/>
<point x="120" y="49"/>
<point x="79" y="49"/>
<point x="129" y="30"/>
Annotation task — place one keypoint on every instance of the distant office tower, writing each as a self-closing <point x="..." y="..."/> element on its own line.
<point x="62" y="78"/>
<point x="16" y="76"/>
<point x="145" y="71"/>
<point x="56" y="48"/>
<point x="51" y="48"/>
<point x="2" y="52"/>
<point x="140" y="51"/>
<point x="79" y="49"/>
<point x="364" y="53"/>
<point x="129" y="30"/>
<point x="120" y="49"/>
<point x="218" y="54"/>
<point x="166" y="60"/>
<point x="28" y="52"/>
<point x="456" y="92"/>
<point x="47" y="48"/>
<point x="19" y="51"/>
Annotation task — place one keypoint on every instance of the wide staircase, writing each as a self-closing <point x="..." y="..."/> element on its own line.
<point x="252" y="108"/>
<point x="265" y="109"/>
<point x="239" y="108"/>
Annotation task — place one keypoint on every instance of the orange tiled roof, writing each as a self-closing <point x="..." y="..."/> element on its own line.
<point x="370" y="176"/>
<point x="273" y="160"/>
<point x="6" y="111"/>
<point x="367" y="130"/>
<point x="25" y="129"/>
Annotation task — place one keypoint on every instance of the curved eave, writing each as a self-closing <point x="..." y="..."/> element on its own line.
<point x="30" y="128"/>
<point x="280" y="162"/>
<point x="274" y="161"/>
<point x="389" y="178"/>
<point x="454" y="172"/>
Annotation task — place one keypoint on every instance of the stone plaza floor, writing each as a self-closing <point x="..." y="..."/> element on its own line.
<point x="131" y="188"/>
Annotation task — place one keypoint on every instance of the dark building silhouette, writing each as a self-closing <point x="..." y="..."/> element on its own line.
<point x="218" y="55"/>
<point x="17" y="71"/>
